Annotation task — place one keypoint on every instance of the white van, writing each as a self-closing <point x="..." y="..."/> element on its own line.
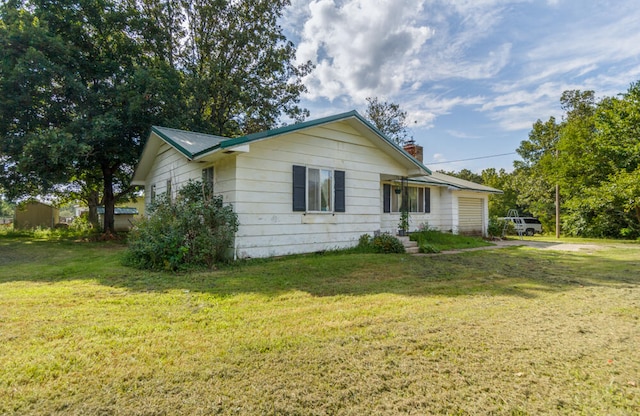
<point x="525" y="225"/>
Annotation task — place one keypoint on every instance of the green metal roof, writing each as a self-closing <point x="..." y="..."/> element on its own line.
<point x="188" y="143"/>
<point x="440" y="179"/>
<point x="287" y="129"/>
<point x="317" y="122"/>
<point x="193" y="144"/>
<point x="120" y="210"/>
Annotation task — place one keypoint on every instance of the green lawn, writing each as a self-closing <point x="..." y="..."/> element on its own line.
<point x="511" y="331"/>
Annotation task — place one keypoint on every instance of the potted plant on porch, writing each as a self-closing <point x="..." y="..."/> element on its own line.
<point x="403" y="225"/>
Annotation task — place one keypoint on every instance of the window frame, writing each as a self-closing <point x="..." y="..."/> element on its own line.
<point x="330" y="191"/>
<point x="301" y="189"/>
<point x="392" y="201"/>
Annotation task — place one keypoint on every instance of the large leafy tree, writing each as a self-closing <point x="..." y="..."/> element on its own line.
<point x="602" y="161"/>
<point x="534" y="177"/>
<point x="79" y="93"/>
<point x="499" y="205"/>
<point x="239" y="67"/>
<point x="82" y="81"/>
<point x="594" y="155"/>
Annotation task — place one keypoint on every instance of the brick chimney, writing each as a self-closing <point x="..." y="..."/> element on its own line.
<point x="414" y="150"/>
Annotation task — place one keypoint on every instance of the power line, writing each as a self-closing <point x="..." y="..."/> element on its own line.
<point x="473" y="158"/>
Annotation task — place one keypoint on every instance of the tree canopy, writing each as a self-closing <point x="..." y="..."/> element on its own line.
<point x="390" y="119"/>
<point x="592" y="153"/>
<point x="81" y="83"/>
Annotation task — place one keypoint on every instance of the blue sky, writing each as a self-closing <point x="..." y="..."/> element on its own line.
<point x="473" y="75"/>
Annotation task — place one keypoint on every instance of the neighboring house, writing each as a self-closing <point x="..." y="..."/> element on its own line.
<point x="122" y="217"/>
<point x="312" y="186"/>
<point x="35" y="214"/>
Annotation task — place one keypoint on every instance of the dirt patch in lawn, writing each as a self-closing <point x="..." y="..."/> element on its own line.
<point x="544" y="245"/>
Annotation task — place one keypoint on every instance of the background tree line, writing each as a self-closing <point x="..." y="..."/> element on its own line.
<point x="592" y="153"/>
<point x="81" y="82"/>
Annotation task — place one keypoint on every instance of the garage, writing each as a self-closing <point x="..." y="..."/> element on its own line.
<point x="470" y="216"/>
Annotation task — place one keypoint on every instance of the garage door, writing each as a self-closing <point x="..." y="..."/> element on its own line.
<point x="470" y="215"/>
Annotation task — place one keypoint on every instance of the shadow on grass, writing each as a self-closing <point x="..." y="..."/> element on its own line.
<point x="515" y="271"/>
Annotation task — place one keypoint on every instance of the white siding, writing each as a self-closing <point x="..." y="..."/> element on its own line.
<point x="258" y="183"/>
<point x="268" y="224"/>
<point x="171" y="165"/>
<point x="448" y="211"/>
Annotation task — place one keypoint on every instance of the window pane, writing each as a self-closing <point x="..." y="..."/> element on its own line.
<point x="319" y="189"/>
<point x="207" y="178"/>
<point x="314" y="189"/>
<point x="325" y="177"/>
<point x="413" y="199"/>
<point x="396" y="200"/>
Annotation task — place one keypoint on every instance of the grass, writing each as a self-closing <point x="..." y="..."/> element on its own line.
<point x="439" y="241"/>
<point x="512" y="331"/>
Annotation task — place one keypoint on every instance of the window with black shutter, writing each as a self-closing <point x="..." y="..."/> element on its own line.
<point x="318" y="190"/>
<point x="299" y="188"/>
<point x="427" y="200"/>
<point x="339" y="186"/>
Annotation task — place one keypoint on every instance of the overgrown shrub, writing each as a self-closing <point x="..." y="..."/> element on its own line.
<point x="495" y="227"/>
<point x="365" y="241"/>
<point x="196" y="229"/>
<point x="383" y="243"/>
<point x="387" y="243"/>
<point x="81" y="223"/>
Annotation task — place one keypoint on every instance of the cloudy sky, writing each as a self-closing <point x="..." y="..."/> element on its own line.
<point x="473" y="75"/>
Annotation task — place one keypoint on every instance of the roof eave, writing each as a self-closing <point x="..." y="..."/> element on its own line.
<point x="172" y="143"/>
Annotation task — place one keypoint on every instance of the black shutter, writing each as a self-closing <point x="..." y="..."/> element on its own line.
<point x="427" y="200"/>
<point x="386" y="197"/>
<point x="299" y="187"/>
<point x="339" y="187"/>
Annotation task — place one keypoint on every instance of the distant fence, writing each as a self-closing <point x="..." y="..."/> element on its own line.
<point x="6" y="220"/>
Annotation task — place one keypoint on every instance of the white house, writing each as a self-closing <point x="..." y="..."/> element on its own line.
<point x="312" y="186"/>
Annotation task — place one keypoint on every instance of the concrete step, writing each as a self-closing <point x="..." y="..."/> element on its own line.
<point x="412" y="250"/>
<point x="411" y="247"/>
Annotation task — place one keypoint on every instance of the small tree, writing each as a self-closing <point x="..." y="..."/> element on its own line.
<point x="196" y="229"/>
<point x="389" y="119"/>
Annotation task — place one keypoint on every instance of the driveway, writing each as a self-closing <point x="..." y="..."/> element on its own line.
<point x="547" y="245"/>
<point x="541" y="245"/>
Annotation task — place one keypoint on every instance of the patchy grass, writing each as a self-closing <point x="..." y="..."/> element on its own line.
<point x="446" y="241"/>
<point x="509" y="331"/>
<point x="578" y="240"/>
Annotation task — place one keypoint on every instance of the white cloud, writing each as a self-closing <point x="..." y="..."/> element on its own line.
<point x="361" y="48"/>
<point x="462" y="134"/>
<point x="595" y="52"/>
<point x="396" y="49"/>
<point x="509" y="60"/>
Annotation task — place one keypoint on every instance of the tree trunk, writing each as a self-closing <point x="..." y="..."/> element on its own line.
<point x="109" y="200"/>
<point x="92" y="202"/>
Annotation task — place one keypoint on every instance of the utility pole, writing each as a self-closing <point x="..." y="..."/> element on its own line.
<point x="557" y="211"/>
<point x="557" y="205"/>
